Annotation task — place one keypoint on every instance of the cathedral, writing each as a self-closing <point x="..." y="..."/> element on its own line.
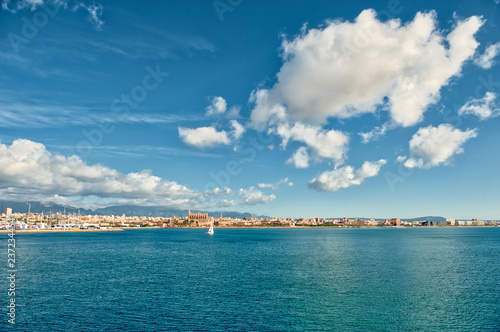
<point x="200" y="218"/>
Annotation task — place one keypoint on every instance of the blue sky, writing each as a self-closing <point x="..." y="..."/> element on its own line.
<point x="290" y="109"/>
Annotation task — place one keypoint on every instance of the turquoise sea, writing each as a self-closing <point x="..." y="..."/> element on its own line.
<point x="407" y="279"/>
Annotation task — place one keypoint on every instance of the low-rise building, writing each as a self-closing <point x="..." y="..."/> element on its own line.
<point x="393" y="222"/>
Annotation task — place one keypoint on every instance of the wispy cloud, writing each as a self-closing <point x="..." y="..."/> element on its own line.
<point x="275" y="186"/>
<point x="145" y="42"/>
<point x="376" y="133"/>
<point x="137" y="151"/>
<point x="176" y="36"/>
<point x="95" y="13"/>
<point x="18" y="114"/>
<point x="250" y="196"/>
<point x="484" y="108"/>
<point x="15" y="6"/>
<point x="132" y="40"/>
<point x="485" y="60"/>
<point x="94" y="9"/>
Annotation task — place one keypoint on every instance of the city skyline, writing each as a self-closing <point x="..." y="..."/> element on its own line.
<point x="373" y="109"/>
<point x="76" y="221"/>
<point x="39" y="209"/>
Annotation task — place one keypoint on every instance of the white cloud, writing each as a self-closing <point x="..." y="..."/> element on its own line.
<point x="250" y="196"/>
<point x="265" y="109"/>
<point x="400" y="159"/>
<point x="300" y="158"/>
<point x="275" y="186"/>
<point x="28" y="171"/>
<point x="218" y="192"/>
<point x="238" y="129"/>
<point x="218" y="106"/>
<point x="325" y="144"/>
<point x="253" y="196"/>
<point x="94" y="9"/>
<point x="22" y="4"/>
<point x="345" y="69"/>
<point x="203" y="137"/>
<point x="95" y="13"/>
<point x="484" y="108"/>
<point x="369" y="169"/>
<point x="345" y="177"/>
<point x="485" y="60"/>
<point x="433" y="146"/>
<point x="207" y="137"/>
<point x="376" y="133"/>
<point x="233" y="112"/>
<point x="27" y="165"/>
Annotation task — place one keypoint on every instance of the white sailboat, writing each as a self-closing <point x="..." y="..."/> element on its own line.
<point x="211" y="230"/>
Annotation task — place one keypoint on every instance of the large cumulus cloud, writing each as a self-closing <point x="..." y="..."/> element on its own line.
<point x="344" y="69"/>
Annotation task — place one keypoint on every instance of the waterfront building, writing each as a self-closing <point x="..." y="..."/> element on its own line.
<point x="393" y="222"/>
<point x="200" y="218"/>
<point x="360" y="222"/>
<point x="373" y="222"/>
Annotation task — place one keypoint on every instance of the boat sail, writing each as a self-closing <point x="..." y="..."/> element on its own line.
<point x="211" y="230"/>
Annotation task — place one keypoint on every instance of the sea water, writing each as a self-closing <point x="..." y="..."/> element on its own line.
<point x="405" y="279"/>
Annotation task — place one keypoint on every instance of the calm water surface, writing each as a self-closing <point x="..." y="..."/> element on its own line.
<point x="257" y="280"/>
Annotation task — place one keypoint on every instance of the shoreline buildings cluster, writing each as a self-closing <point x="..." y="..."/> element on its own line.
<point x="57" y="221"/>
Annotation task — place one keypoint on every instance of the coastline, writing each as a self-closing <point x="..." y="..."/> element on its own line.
<point x="119" y="229"/>
<point x="17" y="231"/>
<point x="312" y="227"/>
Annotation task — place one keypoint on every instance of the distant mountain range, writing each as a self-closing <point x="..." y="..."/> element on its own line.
<point x="128" y="210"/>
<point x="427" y="218"/>
<point x="149" y="211"/>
